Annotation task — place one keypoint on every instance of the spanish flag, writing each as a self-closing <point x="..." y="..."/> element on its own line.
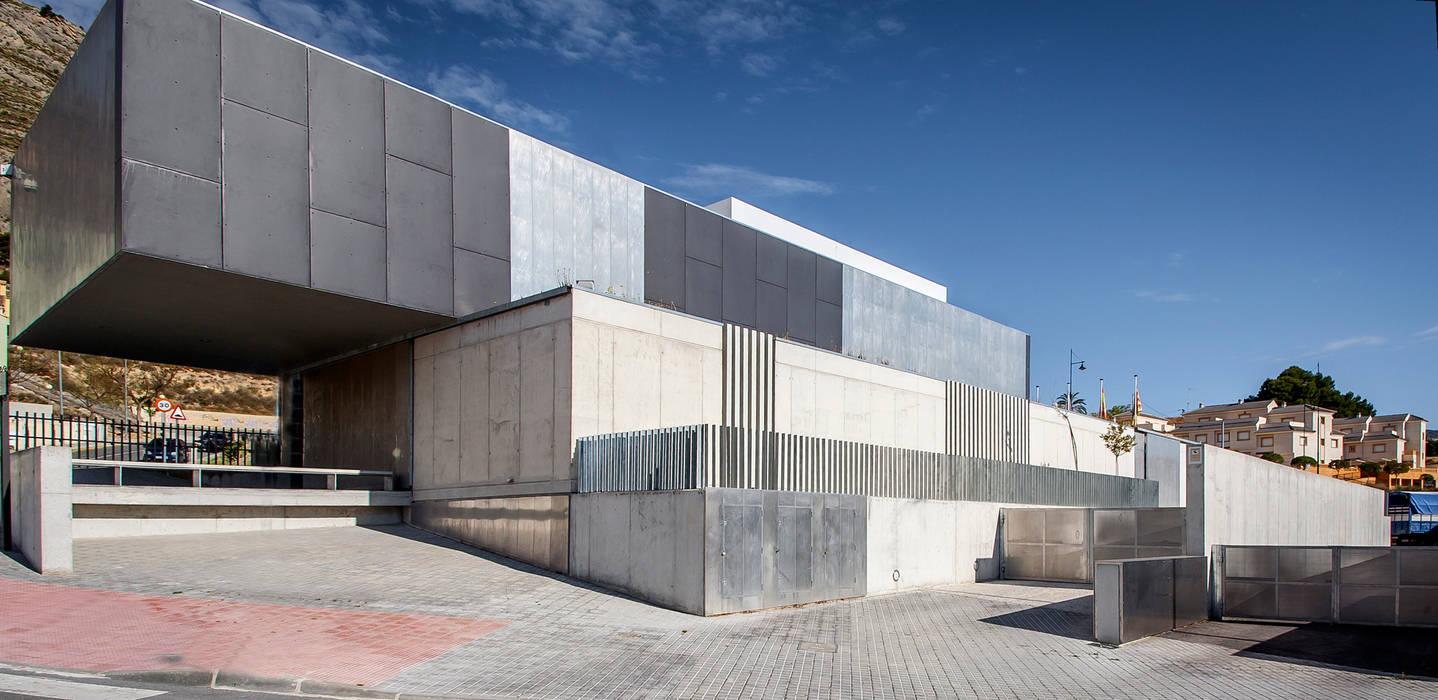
<point x="1102" y="401"/>
<point x="1137" y="402"/>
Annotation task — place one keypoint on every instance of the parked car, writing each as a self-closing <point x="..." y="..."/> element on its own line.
<point x="169" y="450"/>
<point x="213" y="441"/>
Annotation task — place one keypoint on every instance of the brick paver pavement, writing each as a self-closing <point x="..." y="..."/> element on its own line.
<point x="568" y="639"/>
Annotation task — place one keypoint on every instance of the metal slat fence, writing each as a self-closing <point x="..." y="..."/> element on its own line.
<point x="710" y="456"/>
<point x="141" y="441"/>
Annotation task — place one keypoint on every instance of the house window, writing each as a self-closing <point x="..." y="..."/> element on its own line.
<point x="1303" y="441"/>
<point x="1334" y="442"/>
<point x="1201" y="438"/>
<point x="1265" y="442"/>
<point x="1352" y="448"/>
<point x="1243" y="435"/>
<point x="1380" y="448"/>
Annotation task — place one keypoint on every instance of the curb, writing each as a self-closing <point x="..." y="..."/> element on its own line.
<point x="194" y="678"/>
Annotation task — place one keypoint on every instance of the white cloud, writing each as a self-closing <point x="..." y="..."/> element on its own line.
<point x="486" y="94"/>
<point x="345" y="27"/>
<point x="1168" y="297"/>
<point x="737" y="180"/>
<point x="759" y="64"/>
<point x="1176" y="258"/>
<point x="891" y="26"/>
<point x="1428" y="334"/>
<point x="1355" y="341"/>
<point x="926" y="111"/>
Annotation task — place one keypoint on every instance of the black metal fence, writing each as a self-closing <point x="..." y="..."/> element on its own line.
<point x="139" y="441"/>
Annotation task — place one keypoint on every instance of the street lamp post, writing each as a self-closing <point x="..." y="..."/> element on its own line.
<point x="1069" y="398"/>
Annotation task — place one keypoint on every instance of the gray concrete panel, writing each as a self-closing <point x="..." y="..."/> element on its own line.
<point x="479" y="282"/>
<point x="740" y="295"/>
<point x="170" y="86"/>
<point x="263" y="70"/>
<point x="347" y="256"/>
<point x="829" y="326"/>
<point x="772" y="314"/>
<point x="703" y="290"/>
<point x="663" y="249"/>
<point x="420" y="241"/>
<point x="265" y="192"/>
<point x="417" y="127"/>
<point x="357" y="412"/>
<point x="346" y="140"/>
<point x="64" y="226"/>
<point x="773" y="260"/>
<point x="481" y="185"/>
<point x="801" y="282"/>
<point x="703" y="235"/>
<point x="829" y="281"/>
<point x="170" y="214"/>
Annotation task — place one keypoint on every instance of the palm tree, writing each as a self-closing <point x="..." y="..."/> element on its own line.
<point x="1078" y="403"/>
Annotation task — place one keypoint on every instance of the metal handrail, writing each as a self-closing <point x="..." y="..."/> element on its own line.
<point x="197" y="470"/>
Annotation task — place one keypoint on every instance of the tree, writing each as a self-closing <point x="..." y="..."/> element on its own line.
<point x="1272" y="457"/>
<point x="1370" y="468"/>
<point x="1340" y="464"/>
<point x="1118" y="441"/>
<point x="1394" y="467"/>
<point x="1429" y="481"/>
<point x="1296" y="385"/>
<point x="1078" y="406"/>
<point x="1304" y="462"/>
<point x="1119" y="408"/>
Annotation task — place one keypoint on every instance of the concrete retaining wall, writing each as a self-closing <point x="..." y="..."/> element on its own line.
<point x="532" y="529"/>
<point x="1073" y="441"/>
<point x="648" y="544"/>
<point x="40" y="508"/>
<point x="96" y="521"/>
<point x="357" y="413"/>
<point x="918" y="542"/>
<point x="1238" y="499"/>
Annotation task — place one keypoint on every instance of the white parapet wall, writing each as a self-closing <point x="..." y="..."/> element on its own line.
<point x="40" y="508"/>
<point x="1235" y="499"/>
<point x="1068" y="440"/>
<point x="924" y="542"/>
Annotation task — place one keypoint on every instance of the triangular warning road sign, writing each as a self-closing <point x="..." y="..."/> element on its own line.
<point x="177" y="414"/>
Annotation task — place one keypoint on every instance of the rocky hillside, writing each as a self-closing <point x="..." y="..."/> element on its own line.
<point x="34" y="48"/>
<point x="35" y="45"/>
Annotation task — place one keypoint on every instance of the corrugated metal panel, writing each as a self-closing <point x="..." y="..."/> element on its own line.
<point x="710" y="456"/>
<point x="986" y="423"/>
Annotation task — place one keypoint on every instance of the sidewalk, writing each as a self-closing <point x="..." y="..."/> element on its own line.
<point x="402" y="611"/>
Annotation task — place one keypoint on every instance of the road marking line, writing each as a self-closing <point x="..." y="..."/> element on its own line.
<point x="70" y="690"/>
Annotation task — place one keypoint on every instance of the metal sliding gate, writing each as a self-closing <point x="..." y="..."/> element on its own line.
<point x="1353" y="585"/>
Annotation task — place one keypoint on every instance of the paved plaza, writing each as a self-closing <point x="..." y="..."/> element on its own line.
<point x="405" y="612"/>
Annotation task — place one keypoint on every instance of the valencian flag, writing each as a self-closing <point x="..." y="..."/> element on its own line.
<point x="1102" y="401"/>
<point x="1137" y="402"/>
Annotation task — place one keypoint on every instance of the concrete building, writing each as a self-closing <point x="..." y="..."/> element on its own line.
<point x="710" y="407"/>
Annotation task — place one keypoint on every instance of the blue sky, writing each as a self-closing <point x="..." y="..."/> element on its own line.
<point x="1201" y="193"/>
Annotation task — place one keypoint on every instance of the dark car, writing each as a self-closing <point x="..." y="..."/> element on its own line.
<point x="171" y="450"/>
<point x="213" y="441"/>
<point x="1421" y="539"/>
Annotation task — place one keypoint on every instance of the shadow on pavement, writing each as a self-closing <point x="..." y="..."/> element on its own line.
<point x="1397" y="650"/>
<point x="1071" y="618"/>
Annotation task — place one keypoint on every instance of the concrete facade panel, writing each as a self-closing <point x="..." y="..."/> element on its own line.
<point x="65" y="230"/>
<point x="664" y="259"/>
<point x="417" y="127"/>
<point x="357" y="413"/>
<point x="419" y="243"/>
<point x="265" y="194"/>
<point x="772" y="313"/>
<point x="347" y="163"/>
<point x="773" y="260"/>
<point x="347" y="256"/>
<point x="703" y="289"/>
<point x="263" y="70"/>
<point x="480" y="282"/>
<point x="169" y="214"/>
<point x="739" y="271"/>
<point x="703" y="235"/>
<point x="481" y="186"/>
<point x="531" y="529"/>
<point x="170" y="86"/>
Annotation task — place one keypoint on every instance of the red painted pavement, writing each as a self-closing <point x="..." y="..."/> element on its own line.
<point x="44" y="624"/>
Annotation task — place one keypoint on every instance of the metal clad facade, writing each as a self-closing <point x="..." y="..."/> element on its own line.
<point x="572" y="222"/>
<point x="886" y="322"/>
<point x="709" y="456"/>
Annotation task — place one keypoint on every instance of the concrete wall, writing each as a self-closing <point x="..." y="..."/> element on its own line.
<point x="650" y="545"/>
<point x="1161" y="458"/>
<point x="823" y="394"/>
<point x="1073" y="440"/>
<point x="531" y="529"/>
<point x="357" y="413"/>
<point x="492" y="405"/>
<point x="639" y="367"/>
<point x="97" y="521"/>
<point x="1237" y="499"/>
<point x="931" y="543"/>
<point x="40" y="508"/>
